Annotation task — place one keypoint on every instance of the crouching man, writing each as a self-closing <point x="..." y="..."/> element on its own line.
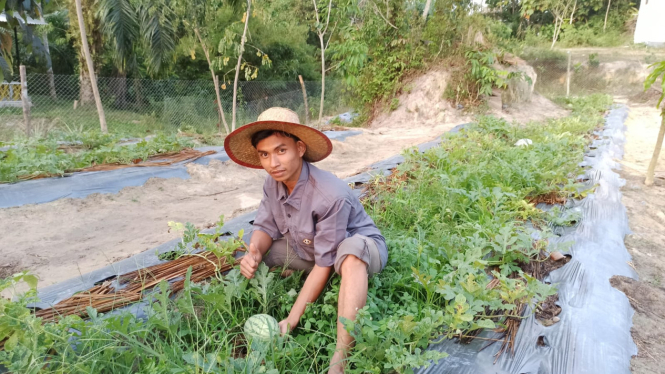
<point x="308" y="219"/>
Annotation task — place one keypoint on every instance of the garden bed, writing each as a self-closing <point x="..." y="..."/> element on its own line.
<point x="459" y="230"/>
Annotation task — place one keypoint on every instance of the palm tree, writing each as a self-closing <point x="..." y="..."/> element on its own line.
<point x="138" y="27"/>
<point x="15" y="13"/>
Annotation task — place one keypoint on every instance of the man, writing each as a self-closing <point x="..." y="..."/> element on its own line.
<point x="308" y="219"/>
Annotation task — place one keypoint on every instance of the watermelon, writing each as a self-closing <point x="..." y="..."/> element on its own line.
<point x="261" y="327"/>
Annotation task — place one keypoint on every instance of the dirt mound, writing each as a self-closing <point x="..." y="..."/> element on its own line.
<point x="423" y="104"/>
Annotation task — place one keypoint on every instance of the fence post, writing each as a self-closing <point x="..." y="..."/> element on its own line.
<point x="568" y="75"/>
<point x="25" y="100"/>
<point x="304" y="97"/>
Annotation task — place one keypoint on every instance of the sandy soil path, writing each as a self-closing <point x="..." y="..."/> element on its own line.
<point x="646" y="216"/>
<point x="69" y="237"/>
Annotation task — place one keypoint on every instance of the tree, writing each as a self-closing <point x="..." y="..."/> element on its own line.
<point x="195" y="15"/>
<point x="321" y="30"/>
<point x="137" y="28"/>
<point x="16" y="12"/>
<point x="428" y="4"/>
<point x="609" y="3"/>
<point x="657" y="73"/>
<point x="558" y="9"/>
<point x="241" y="50"/>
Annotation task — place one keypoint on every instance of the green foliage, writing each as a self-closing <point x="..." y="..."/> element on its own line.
<point x="594" y="62"/>
<point x="454" y="215"/>
<point x="533" y="21"/>
<point x="371" y="66"/>
<point x="478" y="78"/>
<point x="658" y="72"/>
<point x="45" y="157"/>
<point x="584" y="104"/>
<point x="14" y="315"/>
<point x="194" y="241"/>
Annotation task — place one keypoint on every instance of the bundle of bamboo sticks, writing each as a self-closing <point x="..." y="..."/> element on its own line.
<point x="106" y="297"/>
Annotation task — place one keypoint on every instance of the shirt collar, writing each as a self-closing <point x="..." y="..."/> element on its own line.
<point x="296" y="195"/>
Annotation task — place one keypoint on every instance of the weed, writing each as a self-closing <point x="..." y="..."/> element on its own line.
<point x="594" y="62"/>
<point x="394" y="103"/>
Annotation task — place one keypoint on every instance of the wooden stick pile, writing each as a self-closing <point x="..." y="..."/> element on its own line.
<point x="163" y="159"/>
<point x="105" y="297"/>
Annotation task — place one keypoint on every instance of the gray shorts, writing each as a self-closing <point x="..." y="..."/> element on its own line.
<point x="363" y="247"/>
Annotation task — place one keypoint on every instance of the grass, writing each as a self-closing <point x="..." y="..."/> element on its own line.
<point x="459" y="231"/>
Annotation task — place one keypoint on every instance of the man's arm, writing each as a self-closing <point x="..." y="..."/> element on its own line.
<point x="314" y="284"/>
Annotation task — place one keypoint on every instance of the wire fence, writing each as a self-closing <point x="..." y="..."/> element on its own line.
<point x="140" y="106"/>
<point x="137" y="107"/>
<point x="579" y="73"/>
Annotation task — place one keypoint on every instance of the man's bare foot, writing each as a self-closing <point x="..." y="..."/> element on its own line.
<point x="337" y="363"/>
<point x="287" y="273"/>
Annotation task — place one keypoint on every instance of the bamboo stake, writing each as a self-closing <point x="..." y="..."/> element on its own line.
<point x="568" y="76"/>
<point x="91" y="68"/>
<point x="26" y="101"/>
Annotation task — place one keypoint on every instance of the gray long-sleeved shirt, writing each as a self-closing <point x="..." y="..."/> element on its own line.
<point x="320" y="212"/>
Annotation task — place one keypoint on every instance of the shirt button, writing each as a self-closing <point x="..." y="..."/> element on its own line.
<point x="288" y="215"/>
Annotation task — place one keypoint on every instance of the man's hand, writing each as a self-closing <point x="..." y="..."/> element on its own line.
<point x="287" y="325"/>
<point x="250" y="262"/>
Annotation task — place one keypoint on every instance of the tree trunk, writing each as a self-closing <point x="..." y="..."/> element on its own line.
<point x="215" y="80"/>
<point x="120" y="91"/>
<point x="656" y="152"/>
<point x="49" y="67"/>
<point x="91" y="68"/>
<point x="556" y="28"/>
<point x="609" y="2"/>
<point x="323" y="79"/>
<point x="572" y="14"/>
<point x="138" y="93"/>
<point x="240" y="52"/>
<point x="86" y="95"/>
<point x="426" y="10"/>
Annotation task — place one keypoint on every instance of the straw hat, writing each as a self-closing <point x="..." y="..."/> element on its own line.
<point x="238" y="144"/>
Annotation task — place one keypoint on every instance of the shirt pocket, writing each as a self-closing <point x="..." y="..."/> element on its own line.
<point x="306" y="241"/>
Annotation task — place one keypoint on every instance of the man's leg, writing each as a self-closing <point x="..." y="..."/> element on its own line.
<point x="357" y="258"/>
<point x="281" y="254"/>
<point x="352" y="297"/>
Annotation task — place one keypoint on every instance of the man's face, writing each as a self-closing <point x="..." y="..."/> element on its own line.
<point x="281" y="157"/>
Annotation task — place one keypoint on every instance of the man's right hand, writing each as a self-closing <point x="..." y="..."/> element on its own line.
<point x="250" y="262"/>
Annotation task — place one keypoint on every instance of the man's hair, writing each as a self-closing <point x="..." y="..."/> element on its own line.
<point x="263" y="134"/>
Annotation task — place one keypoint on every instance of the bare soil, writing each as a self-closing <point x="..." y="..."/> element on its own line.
<point x="69" y="237"/>
<point x="646" y="216"/>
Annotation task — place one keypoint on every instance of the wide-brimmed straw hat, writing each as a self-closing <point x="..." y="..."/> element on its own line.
<point x="238" y="144"/>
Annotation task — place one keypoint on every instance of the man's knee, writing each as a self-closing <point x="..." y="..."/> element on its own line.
<point x="353" y="264"/>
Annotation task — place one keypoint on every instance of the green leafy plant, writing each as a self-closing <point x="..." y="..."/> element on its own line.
<point x="49" y="157"/>
<point x="594" y="62"/>
<point x="455" y="220"/>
